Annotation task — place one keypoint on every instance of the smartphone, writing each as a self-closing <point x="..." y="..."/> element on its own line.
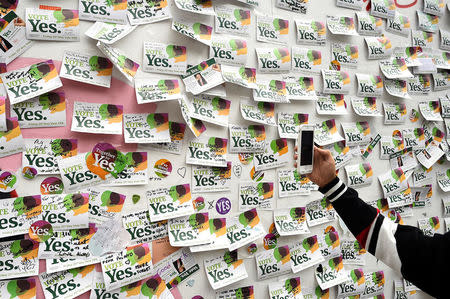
<point x="305" y="144"/>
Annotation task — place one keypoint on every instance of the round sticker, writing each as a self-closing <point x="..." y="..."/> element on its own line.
<point x="135" y="198"/>
<point x="335" y="65"/>
<point x="163" y="168"/>
<point x="223" y="206"/>
<point x="256" y="175"/>
<point x="40" y="231"/>
<point x="8" y="181"/>
<point x="252" y="248"/>
<point x="52" y="185"/>
<point x="29" y="172"/>
<point x="199" y="203"/>
<point x="270" y="241"/>
<point x="245" y="158"/>
<point x="414" y="116"/>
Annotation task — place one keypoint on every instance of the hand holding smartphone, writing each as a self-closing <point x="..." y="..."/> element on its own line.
<point x="305" y="143"/>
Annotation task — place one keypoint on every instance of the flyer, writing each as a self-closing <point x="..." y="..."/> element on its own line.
<point x="319" y="211"/>
<point x="210" y="151"/>
<point x="274" y="60"/>
<point x="249" y="139"/>
<point x="228" y="50"/>
<point x="431" y="111"/>
<point x="146" y="128"/>
<point x="256" y="195"/>
<point x="335" y="82"/>
<point x="286" y="288"/>
<point x="204" y="76"/>
<point x="289" y="124"/>
<point x="244" y="229"/>
<point x="112" y="12"/>
<point x="204" y="7"/>
<point x="153" y="286"/>
<point x="136" y="172"/>
<point x="369" y="85"/>
<point x="445" y="40"/>
<point x="327" y="133"/>
<point x="291" y="221"/>
<point x="61" y="264"/>
<point x="225" y="269"/>
<point x="189" y="230"/>
<point x="104" y="204"/>
<point x="72" y="243"/>
<point x="421" y="38"/>
<point x="261" y="112"/>
<point x="346" y="54"/>
<point x="46" y="110"/>
<point x="341" y="25"/>
<point x="396" y="88"/>
<point x="368" y="24"/>
<point x="164" y="58"/>
<point x="434" y="7"/>
<point x="66" y="211"/>
<point x="393" y="182"/>
<point x="211" y="179"/>
<point x="52" y="25"/>
<point x="430" y="155"/>
<point x="20" y="258"/>
<point x="400" y="25"/>
<point x="305" y="254"/>
<point x="272" y="91"/>
<point x="243" y="76"/>
<point x="19" y="288"/>
<point x="378" y="47"/>
<point x="91" y="69"/>
<point x="352" y="253"/>
<point x="341" y="153"/>
<point x="411" y="55"/>
<point x="290" y="184"/>
<point x="354" y="286"/>
<point x="31" y="81"/>
<point x="443" y="180"/>
<point x="273" y="262"/>
<point x="383" y="8"/>
<point x="356" y="133"/>
<point x="331" y="273"/>
<point x="232" y="19"/>
<point x="124" y="64"/>
<point x="109" y="33"/>
<point x="170" y="202"/>
<point x="210" y="109"/>
<point x="352" y="4"/>
<point x="176" y="131"/>
<point x="300" y="88"/>
<point x="141" y="229"/>
<point x="195" y="125"/>
<point x="359" y="174"/>
<point x="405" y="159"/>
<point x="198" y="31"/>
<point x="131" y="291"/>
<point x="13" y="32"/>
<point x="218" y="236"/>
<point x="374" y="284"/>
<point x="422" y="176"/>
<point x="11" y="140"/>
<point x="310" y="32"/>
<point x="97" y="118"/>
<point x="394" y="113"/>
<point x="395" y="68"/>
<point x="441" y="80"/>
<point x="299" y="6"/>
<point x="271" y="29"/>
<point x="140" y="12"/>
<point x="275" y="155"/>
<point x="177" y="267"/>
<point x="427" y="22"/>
<point x="18" y="214"/>
<point x="134" y="261"/>
<point x="400" y="199"/>
<point x="366" y="106"/>
<point x="419" y="84"/>
<point x="68" y="283"/>
<point x="331" y="104"/>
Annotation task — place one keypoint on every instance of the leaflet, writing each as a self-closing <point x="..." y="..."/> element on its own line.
<point x="198" y="31"/>
<point x="359" y="174"/>
<point x="395" y="68"/>
<point x="421" y="38"/>
<point x="291" y="221"/>
<point x="431" y="111"/>
<point x="443" y="180"/>
<point x="352" y="254"/>
<point x="189" y="230"/>
<point x="394" y="113"/>
<point x="136" y="172"/>
<point x="66" y="211"/>
<point x="21" y="258"/>
<point x="427" y="22"/>
<point x="211" y="179"/>
<point x="290" y="184"/>
<point x="210" y="109"/>
<point x="275" y="155"/>
<point x="356" y="133"/>
<point x="340" y="152"/>
<point x="441" y="80"/>
<point x="97" y="118"/>
<point x="256" y="195"/>
<point x="272" y="29"/>
<point x="68" y="283"/>
<point x="374" y="284"/>
<point x="31" y="81"/>
<point x="300" y="88"/>
<point x="378" y="47"/>
<point x="341" y="25"/>
<point x="13" y="35"/>
<point x="319" y="211"/>
<point x="244" y="229"/>
<point x="300" y="6"/>
<point x="327" y="133"/>
<point x="225" y="269"/>
<point x="18" y="214"/>
<point x="331" y="273"/>
<point x="135" y="261"/>
<point x="61" y="264"/>
<point x="400" y="24"/>
<point x="434" y="7"/>
<point x="164" y="58"/>
<point x="243" y="76"/>
<point x="430" y="155"/>
<point x="400" y="199"/>
<point x="310" y="32"/>
<point x="289" y="124"/>
<point x="393" y="182"/>
<point x="273" y="262"/>
<point x="396" y="88"/>
<point x="249" y="139"/>
<point x="331" y="104"/>
<point x="154" y="286"/>
<point x="346" y="54"/>
<point x="166" y="203"/>
<point x="369" y="85"/>
<point x="336" y="82"/>
<point x="262" y="112"/>
<point x="203" y="7"/>
<point x="287" y="288"/>
<point x="109" y="33"/>
<point x="353" y="287"/>
<point x="124" y="64"/>
<point x="366" y="106"/>
<point x="232" y="19"/>
<point x="368" y="24"/>
<point x="445" y="40"/>
<point x="383" y="9"/>
<point x="141" y="229"/>
<point x="19" y="288"/>
<point x="91" y="69"/>
<point x="131" y="291"/>
<point x="305" y="254"/>
<point x="274" y="60"/>
<point x="204" y="76"/>
<point x="228" y="50"/>
<point x="419" y="84"/>
<point x="195" y="125"/>
<point x="140" y="12"/>
<point x="146" y="128"/>
<point x="210" y="151"/>
<point x="104" y="205"/>
<point x="52" y="25"/>
<point x="272" y="91"/>
<point x="113" y="12"/>
<point x="177" y="131"/>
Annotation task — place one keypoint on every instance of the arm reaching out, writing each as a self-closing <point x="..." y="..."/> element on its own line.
<point x="404" y="248"/>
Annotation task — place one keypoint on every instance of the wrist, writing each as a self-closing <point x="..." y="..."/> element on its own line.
<point x="329" y="184"/>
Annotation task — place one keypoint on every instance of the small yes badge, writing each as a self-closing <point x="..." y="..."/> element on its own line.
<point x="40" y="231"/>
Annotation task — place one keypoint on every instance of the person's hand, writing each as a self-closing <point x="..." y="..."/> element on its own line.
<point x="324" y="169"/>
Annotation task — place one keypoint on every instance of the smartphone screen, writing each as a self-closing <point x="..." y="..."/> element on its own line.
<point x="307" y="147"/>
